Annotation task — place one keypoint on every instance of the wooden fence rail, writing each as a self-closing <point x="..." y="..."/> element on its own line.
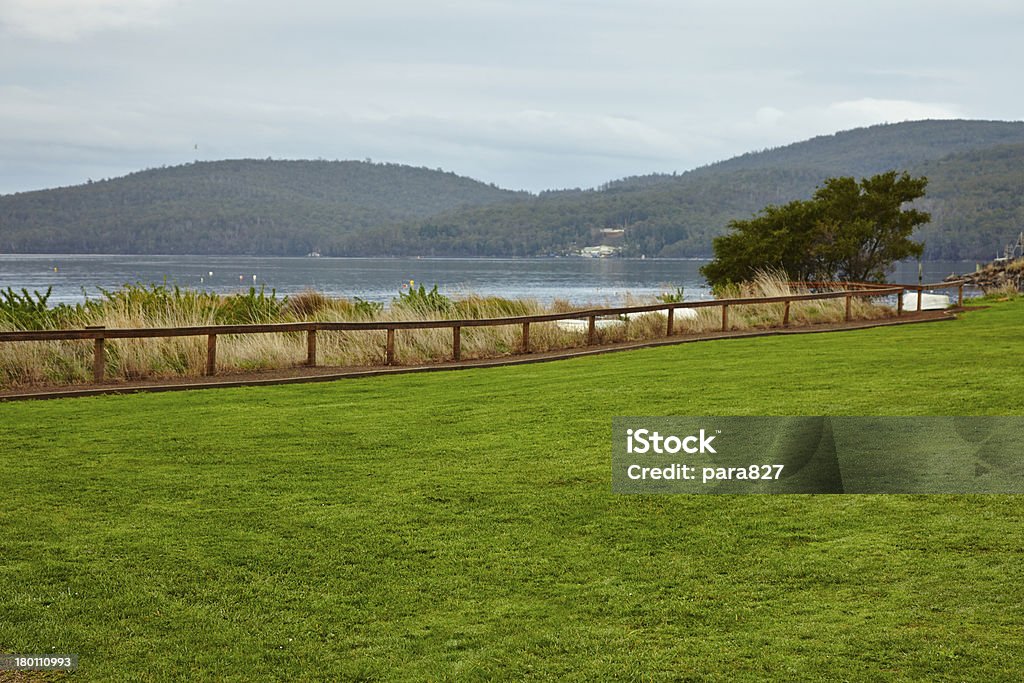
<point x="920" y="289"/>
<point x="99" y="334"/>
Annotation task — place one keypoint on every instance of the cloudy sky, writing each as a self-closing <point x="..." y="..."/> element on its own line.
<point x="528" y="94"/>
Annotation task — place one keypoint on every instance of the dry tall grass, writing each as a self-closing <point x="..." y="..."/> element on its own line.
<point x="27" y="363"/>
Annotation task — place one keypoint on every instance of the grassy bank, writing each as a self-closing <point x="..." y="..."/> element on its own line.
<point x="461" y="526"/>
<point x="33" y="363"/>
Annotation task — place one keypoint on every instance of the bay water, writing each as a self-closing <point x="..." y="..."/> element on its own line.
<point x="598" y="281"/>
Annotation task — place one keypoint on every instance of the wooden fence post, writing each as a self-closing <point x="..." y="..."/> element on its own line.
<point x="849" y="300"/>
<point x="899" y="301"/>
<point x="211" y="354"/>
<point x="311" y="347"/>
<point x="99" y="355"/>
<point x="725" y="317"/>
<point x="671" y="320"/>
<point x="920" y="296"/>
<point x="526" y="337"/>
<point x="389" y="350"/>
<point x="785" y="315"/>
<point x="591" y="330"/>
<point x="456" y="343"/>
<point x="960" y="295"/>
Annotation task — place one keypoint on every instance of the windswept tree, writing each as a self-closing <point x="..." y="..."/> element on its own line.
<point x="847" y="230"/>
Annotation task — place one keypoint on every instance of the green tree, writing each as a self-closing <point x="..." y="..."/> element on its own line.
<point x="847" y="230"/>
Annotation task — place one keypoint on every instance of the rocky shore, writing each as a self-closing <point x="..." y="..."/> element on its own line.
<point x="997" y="275"/>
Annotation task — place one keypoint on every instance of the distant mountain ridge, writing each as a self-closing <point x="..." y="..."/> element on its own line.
<point x="976" y="195"/>
<point x="244" y="206"/>
<point x="859" y="151"/>
<point x="679" y="215"/>
<point x="875" y="149"/>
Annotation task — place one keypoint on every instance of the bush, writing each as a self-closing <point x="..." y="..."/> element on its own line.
<point x="367" y="309"/>
<point x="252" y="307"/>
<point x="29" y="311"/>
<point x="25" y="311"/>
<point x="422" y="301"/>
<point x="675" y="297"/>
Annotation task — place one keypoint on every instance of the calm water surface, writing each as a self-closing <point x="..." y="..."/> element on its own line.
<point x="578" y="280"/>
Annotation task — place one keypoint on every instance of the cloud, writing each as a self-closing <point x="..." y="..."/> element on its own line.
<point x="778" y="126"/>
<point x="548" y="132"/>
<point x="869" y="110"/>
<point x="68" y="20"/>
<point x="768" y="116"/>
<point x="524" y="93"/>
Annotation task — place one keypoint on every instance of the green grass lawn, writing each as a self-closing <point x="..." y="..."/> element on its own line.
<point x="461" y="526"/>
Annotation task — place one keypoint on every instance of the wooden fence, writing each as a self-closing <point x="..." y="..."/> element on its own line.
<point x="99" y="335"/>
<point x="874" y="286"/>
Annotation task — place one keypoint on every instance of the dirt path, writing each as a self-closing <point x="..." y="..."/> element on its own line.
<point x="300" y="374"/>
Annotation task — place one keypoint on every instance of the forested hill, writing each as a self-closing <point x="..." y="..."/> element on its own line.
<point x="240" y="206"/>
<point x="861" y="151"/>
<point x="976" y="200"/>
<point x="976" y="196"/>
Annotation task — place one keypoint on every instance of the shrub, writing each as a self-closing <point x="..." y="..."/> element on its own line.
<point x="25" y="311"/>
<point x="671" y="297"/>
<point x="421" y="301"/>
<point x="252" y="307"/>
<point x="367" y="309"/>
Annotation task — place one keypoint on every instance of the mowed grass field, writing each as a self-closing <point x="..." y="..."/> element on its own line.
<point x="461" y="526"/>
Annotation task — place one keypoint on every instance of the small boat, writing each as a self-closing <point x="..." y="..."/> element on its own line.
<point x="929" y="302"/>
<point x="574" y="325"/>
<point x="582" y="325"/>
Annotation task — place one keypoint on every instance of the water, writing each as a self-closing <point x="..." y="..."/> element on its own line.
<point x="577" y="280"/>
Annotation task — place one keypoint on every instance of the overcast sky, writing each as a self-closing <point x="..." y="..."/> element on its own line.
<point x="527" y="94"/>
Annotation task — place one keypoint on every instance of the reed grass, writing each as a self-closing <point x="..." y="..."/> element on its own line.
<point x="1004" y="292"/>
<point x="134" y="306"/>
